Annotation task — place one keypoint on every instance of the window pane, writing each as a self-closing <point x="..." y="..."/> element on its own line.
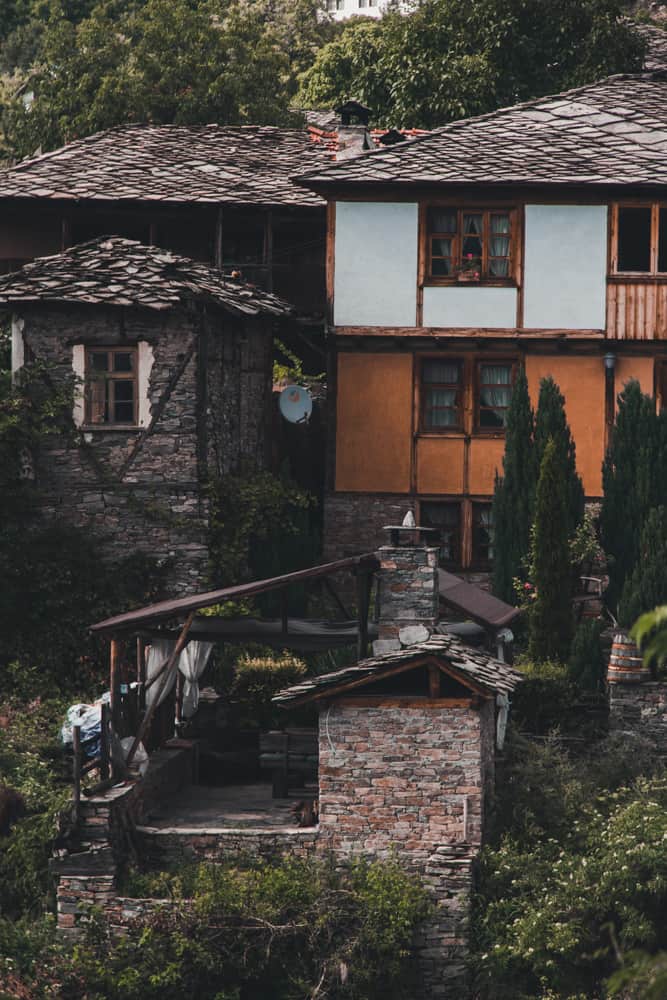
<point x="662" y="241"/>
<point x="500" y="223"/>
<point x="443" y="372"/>
<point x="124" y="390"/>
<point x="441" y="265"/>
<point x="473" y="223"/>
<point x="124" y="413"/>
<point x="472" y="246"/>
<point x="99" y="361"/>
<point x="441" y="220"/>
<point x="499" y="246"/>
<point x="496" y="374"/>
<point x="634" y="239"/>
<point x="499" y="267"/>
<point x="482" y="540"/>
<point x="446" y="518"/>
<point x="122" y="362"/>
<point x="441" y="248"/>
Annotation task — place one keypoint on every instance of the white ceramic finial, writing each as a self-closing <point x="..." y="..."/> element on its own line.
<point x="409" y="520"/>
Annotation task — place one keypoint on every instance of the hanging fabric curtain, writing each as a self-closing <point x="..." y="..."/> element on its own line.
<point x="192" y="663"/>
<point x="160" y="650"/>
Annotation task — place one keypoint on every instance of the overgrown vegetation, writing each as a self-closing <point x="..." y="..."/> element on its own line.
<point x="288" y="931"/>
<point x="578" y="876"/>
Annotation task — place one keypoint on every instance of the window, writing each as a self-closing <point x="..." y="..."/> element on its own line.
<point x="468" y="244"/>
<point x="362" y="3"/>
<point x="445" y="517"/>
<point x="482" y="534"/>
<point x="494" y="394"/>
<point x="111" y="385"/>
<point x="442" y="384"/>
<point x="641" y="239"/>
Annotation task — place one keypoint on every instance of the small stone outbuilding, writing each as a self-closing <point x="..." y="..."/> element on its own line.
<point x="406" y="766"/>
<point x="172" y="369"/>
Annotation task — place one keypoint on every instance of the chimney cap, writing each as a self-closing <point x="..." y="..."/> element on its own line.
<point x="411" y="533"/>
<point x="353" y="109"/>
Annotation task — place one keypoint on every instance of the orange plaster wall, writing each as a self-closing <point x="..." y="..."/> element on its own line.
<point x="374" y="421"/>
<point x="639" y="368"/>
<point x="440" y="465"/>
<point x="581" y="380"/>
<point x="486" y="455"/>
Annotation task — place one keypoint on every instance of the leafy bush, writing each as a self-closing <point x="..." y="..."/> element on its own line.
<point x="257" y="679"/>
<point x="285" y="931"/>
<point x="646" y="587"/>
<point x="586" y="666"/>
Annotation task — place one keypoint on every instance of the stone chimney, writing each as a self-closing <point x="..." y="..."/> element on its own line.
<point x="353" y="134"/>
<point x="408" y="587"/>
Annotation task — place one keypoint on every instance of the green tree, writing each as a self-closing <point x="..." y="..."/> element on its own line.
<point x="224" y="64"/>
<point x="514" y="493"/>
<point x="450" y="59"/>
<point x="550" y="620"/>
<point x="551" y="424"/>
<point x="634" y="479"/>
<point x="646" y="586"/>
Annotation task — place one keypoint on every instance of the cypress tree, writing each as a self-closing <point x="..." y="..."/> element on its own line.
<point x="514" y="492"/>
<point x="634" y="479"/>
<point x="551" y="423"/>
<point x="550" y="623"/>
<point x="646" y="587"/>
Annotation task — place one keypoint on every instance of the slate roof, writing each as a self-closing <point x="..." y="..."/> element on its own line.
<point x="656" y="41"/>
<point x="481" y="668"/>
<point x="120" y="272"/>
<point x="612" y="132"/>
<point x="245" y="164"/>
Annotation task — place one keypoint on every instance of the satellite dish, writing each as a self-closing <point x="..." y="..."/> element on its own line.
<point x="295" y="404"/>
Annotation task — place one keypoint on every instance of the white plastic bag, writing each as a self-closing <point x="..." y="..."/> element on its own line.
<point x="140" y="759"/>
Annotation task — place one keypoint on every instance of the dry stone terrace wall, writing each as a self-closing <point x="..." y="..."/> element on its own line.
<point x="144" y="489"/>
<point x="641" y="708"/>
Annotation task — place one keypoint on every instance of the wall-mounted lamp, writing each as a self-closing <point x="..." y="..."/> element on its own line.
<point x="610" y="362"/>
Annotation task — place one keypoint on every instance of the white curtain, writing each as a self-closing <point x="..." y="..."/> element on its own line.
<point x="160" y="650"/>
<point x="192" y="663"/>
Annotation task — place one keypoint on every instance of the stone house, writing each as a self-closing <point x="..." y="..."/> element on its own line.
<point x="171" y="364"/>
<point x="533" y="236"/>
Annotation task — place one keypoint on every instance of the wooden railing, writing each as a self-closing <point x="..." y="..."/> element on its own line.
<point x="101" y="762"/>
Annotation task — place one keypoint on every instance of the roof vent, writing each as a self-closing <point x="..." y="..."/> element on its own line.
<point x="353" y="113"/>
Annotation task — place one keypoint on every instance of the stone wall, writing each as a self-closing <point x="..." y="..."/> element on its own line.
<point x="143" y="488"/>
<point x="408" y="594"/>
<point x="410" y="780"/>
<point x="641" y="708"/>
<point x="165" y="848"/>
<point x="353" y="522"/>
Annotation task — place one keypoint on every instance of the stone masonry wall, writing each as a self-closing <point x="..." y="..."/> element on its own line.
<point x="410" y="780"/>
<point x="641" y="708"/>
<point x="144" y="489"/>
<point x="353" y="522"/>
<point x="407" y="593"/>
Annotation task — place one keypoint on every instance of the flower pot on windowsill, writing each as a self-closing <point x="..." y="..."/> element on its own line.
<point x="468" y="277"/>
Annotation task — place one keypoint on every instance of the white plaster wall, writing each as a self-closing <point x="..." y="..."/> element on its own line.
<point x="565" y="267"/>
<point x="470" y="306"/>
<point x="375" y="269"/>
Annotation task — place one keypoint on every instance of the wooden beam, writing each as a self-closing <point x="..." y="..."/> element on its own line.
<point x="217" y="251"/>
<point x="268" y="249"/>
<point x="148" y="717"/>
<point x="433" y="681"/>
<point x="114" y="682"/>
<point x="410" y="701"/>
<point x="362" y="615"/>
<point x="76" y="769"/>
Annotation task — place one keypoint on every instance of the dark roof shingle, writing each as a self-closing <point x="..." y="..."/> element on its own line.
<point x="119" y="272"/>
<point x="480" y="667"/>
<point x="612" y="132"/>
<point x="245" y="164"/>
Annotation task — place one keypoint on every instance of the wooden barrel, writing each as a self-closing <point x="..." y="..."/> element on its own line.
<point x="626" y="665"/>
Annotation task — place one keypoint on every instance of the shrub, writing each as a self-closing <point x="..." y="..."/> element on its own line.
<point x="646" y="587"/>
<point x="257" y="679"/>
<point x="586" y="666"/>
<point x="285" y="931"/>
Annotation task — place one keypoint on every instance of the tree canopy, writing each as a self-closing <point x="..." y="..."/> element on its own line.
<point x="454" y="58"/>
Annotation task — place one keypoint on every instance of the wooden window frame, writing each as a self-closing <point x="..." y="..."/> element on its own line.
<point x="478" y="362"/>
<point x="456" y="428"/>
<point x="486" y="210"/>
<point x="653" y="274"/>
<point x="112" y="377"/>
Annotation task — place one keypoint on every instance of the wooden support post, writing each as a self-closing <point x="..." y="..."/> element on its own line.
<point x="141" y="673"/>
<point x="433" y="681"/>
<point x="179" y="698"/>
<point x="150" y="712"/>
<point x="218" y="256"/>
<point x="65" y="232"/>
<point x="152" y="234"/>
<point x="268" y="249"/>
<point x="104" y="742"/>
<point x="114" y="682"/>
<point x="284" y="611"/>
<point x="362" y="615"/>
<point x="76" y="769"/>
